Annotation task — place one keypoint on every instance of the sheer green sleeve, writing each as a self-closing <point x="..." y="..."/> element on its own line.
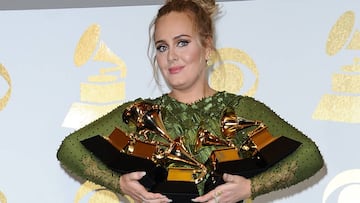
<point x="79" y="162"/>
<point x="296" y="167"/>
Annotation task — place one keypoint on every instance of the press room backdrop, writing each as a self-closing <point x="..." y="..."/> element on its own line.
<point x="62" y="68"/>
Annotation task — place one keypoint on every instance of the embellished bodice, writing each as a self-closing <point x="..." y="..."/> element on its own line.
<point x="186" y="120"/>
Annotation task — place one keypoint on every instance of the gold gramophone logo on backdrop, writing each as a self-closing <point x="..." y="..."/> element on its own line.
<point x="93" y="193"/>
<point x="2" y="198"/>
<point x="5" y="99"/>
<point x="228" y="76"/>
<point x="344" y="103"/>
<point x="100" y="93"/>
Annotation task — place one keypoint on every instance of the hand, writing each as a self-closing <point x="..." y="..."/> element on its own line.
<point x="235" y="189"/>
<point x="129" y="185"/>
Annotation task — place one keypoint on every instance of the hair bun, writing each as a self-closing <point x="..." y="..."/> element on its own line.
<point x="209" y="6"/>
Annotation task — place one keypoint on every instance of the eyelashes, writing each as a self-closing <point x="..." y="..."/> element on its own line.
<point x="162" y="47"/>
<point x="183" y="43"/>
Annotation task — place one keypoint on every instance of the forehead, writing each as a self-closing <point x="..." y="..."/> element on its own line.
<point x="173" y="24"/>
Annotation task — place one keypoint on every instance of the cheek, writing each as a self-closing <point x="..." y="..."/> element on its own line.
<point x="197" y="58"/>
<point x="194" y="57"/>
<point x="161" y="63"/>
<point x="160" y="60"/>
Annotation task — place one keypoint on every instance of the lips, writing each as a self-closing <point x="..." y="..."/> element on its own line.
<point x="175" y="69"/>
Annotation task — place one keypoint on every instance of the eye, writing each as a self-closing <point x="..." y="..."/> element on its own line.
<point x="161" y="48"/>
<point x="183" y="43"/>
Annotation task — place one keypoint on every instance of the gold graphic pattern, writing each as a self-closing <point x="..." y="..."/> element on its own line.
<point x="86" y="45"/>
<point x="2" y="198"/>
<point x="106" y="55"/>
<point x="346" y="83"/>
<point x="338" y="108"/>
<point x="344" y="104"/>
<point x="248" y="201"/>
<point x="228" y="76"/>
<point x="96" y="192"/>
<point x="81" y="114"/>
<point x="340" y="33"/>
<point x="103" y="92"/>
<point x="4" y="100"/>
<point x="99" y="95"/>
<point x="109" y="92"/>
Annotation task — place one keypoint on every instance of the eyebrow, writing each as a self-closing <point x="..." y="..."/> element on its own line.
<point x="176" y="37"/>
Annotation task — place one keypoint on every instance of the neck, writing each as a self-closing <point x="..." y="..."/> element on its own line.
<point x="191" y="96"/>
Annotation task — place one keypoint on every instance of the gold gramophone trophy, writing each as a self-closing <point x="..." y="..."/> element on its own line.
<point x="258" y="151"/>
<point x="126" y="153"/>
<point x="170" y="168"/>
<point x="147" y="118"/>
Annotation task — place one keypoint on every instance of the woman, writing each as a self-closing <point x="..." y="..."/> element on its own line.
<point x="183" y="38"/>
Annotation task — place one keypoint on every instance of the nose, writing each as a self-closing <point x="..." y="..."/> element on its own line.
<point x="172" y="55"/>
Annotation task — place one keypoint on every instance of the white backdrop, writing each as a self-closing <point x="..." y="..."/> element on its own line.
<point x="299" y="48"/>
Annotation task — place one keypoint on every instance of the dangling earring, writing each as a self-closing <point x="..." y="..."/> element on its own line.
<point x="208" y="63"/>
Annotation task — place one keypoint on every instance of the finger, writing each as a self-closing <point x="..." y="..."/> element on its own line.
<point x="162" y="200"/>
<point x="156" y="198"/>
<point x="137" y="197"/>
<point x="153" y="196"/>
<point x="204" y="198"/>
<point x="228" y="177"/>
<point x="211" y="196"/>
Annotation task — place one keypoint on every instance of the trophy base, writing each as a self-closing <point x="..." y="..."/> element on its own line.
<point x="155" y="179"/>
<point x="249" y="167"/>
<point x="124" y="163"/>
<point x="177" y="191"/>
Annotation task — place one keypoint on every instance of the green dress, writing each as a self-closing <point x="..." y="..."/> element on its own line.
<point x="185" y="120"/>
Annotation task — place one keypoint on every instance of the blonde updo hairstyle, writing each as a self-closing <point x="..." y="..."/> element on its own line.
<point x="202" y="13"/>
